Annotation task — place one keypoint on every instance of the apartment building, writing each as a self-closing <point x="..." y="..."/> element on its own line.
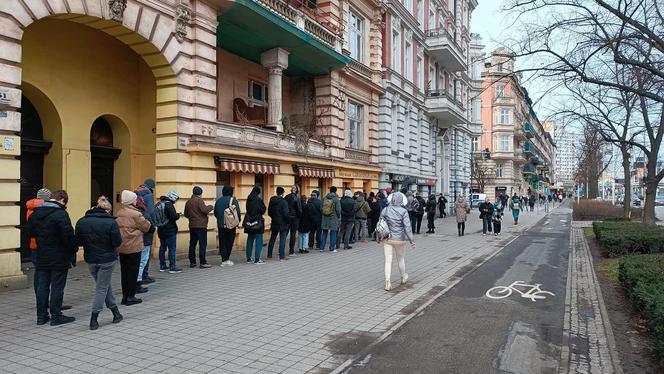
<point x="566" y="158"/>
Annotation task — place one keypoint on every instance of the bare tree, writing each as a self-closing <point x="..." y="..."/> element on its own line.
<point x="481" y="172"/>
<point x="592" y="162"/>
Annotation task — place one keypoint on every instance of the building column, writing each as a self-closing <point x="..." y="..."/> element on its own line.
<point x="275" y="60"/>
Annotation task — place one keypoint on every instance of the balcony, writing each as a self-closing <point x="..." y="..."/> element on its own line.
<point x="528" y="150"/>
<point x="443" y="48"/>
<point x="529" y="169"/>
<point x="445" y="107"/>
<point x="502" y="154"/>
<point x="520" y="134"/>
<point x="528" y="130"/>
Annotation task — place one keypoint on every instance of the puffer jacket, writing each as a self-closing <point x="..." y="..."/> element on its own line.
<point x="278" y="212"/>
<point x="147" y="197"/>
<point x="99" y="234"/>
<point x="30" y="206"/>
<point x="56" y="241"/>
<point x="132" y="227"/>
<point x="396" y="217"/>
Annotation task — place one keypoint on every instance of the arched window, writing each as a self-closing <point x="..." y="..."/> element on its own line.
<point x="101" y="134"/>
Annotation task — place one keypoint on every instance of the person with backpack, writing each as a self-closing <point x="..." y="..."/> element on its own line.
<point x="227" y="212"/>
<point x="42" y="195"/>
<point x="410" y="199"/>
<point x="418" y="207"/>
<point x="167" y="230"/>
<point x="197" y="213"/>
<point x="315" y="205"/>
<point x="330" y="221"/>
<point x="431" y="213"/>
<point x="400" y="232"/>
<point x="254" y="226"/>
<point x="132" y="225"/>
<point x="347" y="204"/>
<point x="145" y="193"/>
<point x="278" y="212"/>
<point x="362" y="210"/>
<point x="497" y="218"/>
<point x="516" y="205"/>
<point x="486" y="215"/>
<point x="99" y="235"/>
<point x="294" y="215"/>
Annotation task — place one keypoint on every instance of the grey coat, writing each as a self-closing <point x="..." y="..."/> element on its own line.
<point x="332" y="222"/>
<point x="396" y="217"/>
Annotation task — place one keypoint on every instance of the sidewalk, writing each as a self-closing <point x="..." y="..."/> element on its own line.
<point x="307" y="314"/>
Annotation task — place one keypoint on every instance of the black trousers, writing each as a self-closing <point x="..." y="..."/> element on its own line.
<point x="486" y="224"/>
<point x="441" y="209"/>
<point x="226" y="241"/>
<point x="50" y="282"/>
<point x="293" y="224"/>
<point x="496" y="227"/>
<point x="314" y="236"/>
<point x="413" y="220"/>
<point x="461" y="226"/>
<point x="418" y="218"/>
<point x="129" y="265"/>
<point x="431" y="216"/>
<point x="197" y="236"/>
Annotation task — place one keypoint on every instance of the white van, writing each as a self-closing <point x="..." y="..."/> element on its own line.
<point x="476" y="199"/>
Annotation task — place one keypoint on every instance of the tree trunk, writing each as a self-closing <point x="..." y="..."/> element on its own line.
<point x="593" y="188"/>
<point x="651" y="191"/>
<point x="627" y="198"/>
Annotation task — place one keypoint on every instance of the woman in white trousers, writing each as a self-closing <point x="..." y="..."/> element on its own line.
<point x="398" y="222"/>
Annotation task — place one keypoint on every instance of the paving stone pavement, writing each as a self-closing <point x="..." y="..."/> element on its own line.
<point x="308" y="314"/>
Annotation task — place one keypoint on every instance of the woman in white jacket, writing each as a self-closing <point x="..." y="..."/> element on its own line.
<point x="396" y="217"/>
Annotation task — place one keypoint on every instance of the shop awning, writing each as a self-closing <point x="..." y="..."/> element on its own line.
<point x="312" y="172"/>
<point x="246" y="166"/>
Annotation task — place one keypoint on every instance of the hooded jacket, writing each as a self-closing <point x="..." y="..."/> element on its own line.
<point x="197" y="212"/>
<point x="332" y="222"/>
<point x="431" y="204"/>
<point x="222" y="203"/>
<point x="255" y="210"/>
<point x="132" y="226"/>
<point x="316" y="212"/>
<point x="51" y="227"/>
<point x="362" y="208"/>
<point x="145" y="194"/>
<point x="171" y="228"/>
<point x="294" y="205"/>
<point x="347" y="209"/>
<point x="278" y="212"/>
<point x="99" y="234"/>
<point x="396" y="217"/>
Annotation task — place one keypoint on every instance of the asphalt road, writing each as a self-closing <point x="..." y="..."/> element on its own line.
<point x="464" y="331"/>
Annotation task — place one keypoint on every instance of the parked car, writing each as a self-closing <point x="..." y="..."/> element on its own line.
<point x="476" y="199"/>
<point x="636" y="201"/>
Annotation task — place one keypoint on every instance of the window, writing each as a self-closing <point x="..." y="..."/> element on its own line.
<point x="420" y="72"/>
<point x="354" y="125"/>
<point x="259" y="181"/>
<point x="477" y="110"/>
<point x="432" y="78"/>
<point x="476" y="144"/>
<point x="504" y="116"/>
<point x="499" y="170"/>
<point x="408" y="60"/>
<point x="355" y="36"/>
<point x="396" y="50"/>
<point x="504" y="144"/>
<point x="432" y="20"/>
<point x="499" y="67"/>
<point x="408" y="4"/>
<point x="420" y="13"/>
<point x="257" y="94"/>
<point x="500" y="90"/>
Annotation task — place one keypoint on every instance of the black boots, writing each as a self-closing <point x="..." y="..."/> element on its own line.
<point x="93" y="321"/>
<point x="61" y="320"/>
<point x="117" y="317"/>
<point x="131" y="301"/>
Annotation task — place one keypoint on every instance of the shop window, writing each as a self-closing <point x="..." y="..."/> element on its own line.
<point x="223" y="179"/>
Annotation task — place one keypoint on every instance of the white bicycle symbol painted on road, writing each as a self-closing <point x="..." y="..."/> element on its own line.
<point x="533" y="293"/>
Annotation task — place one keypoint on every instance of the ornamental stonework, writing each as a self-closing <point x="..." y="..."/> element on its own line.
<point x="116" y="9"/>
<point x="182" y="18"/>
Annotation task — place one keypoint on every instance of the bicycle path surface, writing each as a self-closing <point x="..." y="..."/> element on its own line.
<point x="464" y="331"/>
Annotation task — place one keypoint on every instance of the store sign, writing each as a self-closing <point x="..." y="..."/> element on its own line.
<point x="426" y="182"/>
<point x="399" y="178"/>
<point x="345" y="173"/>
<point x="501" y="188"/>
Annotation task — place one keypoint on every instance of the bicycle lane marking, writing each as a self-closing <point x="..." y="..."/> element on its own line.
<point x="533" y="293"/>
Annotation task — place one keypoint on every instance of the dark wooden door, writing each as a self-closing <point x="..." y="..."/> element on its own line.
<point x="101" y="173"/>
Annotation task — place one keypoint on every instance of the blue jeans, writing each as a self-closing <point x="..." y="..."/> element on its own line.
<point x="256" y="239"/>
<point x="304" y="240"/>
<point x="169" y="242"/>
<point x="282" y="242"/>
<point x="333" y="240"/>
<point x="145" y="256"/>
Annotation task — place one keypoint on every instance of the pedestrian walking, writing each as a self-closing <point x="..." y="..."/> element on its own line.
<point x="374" y="214"/>
<point x="531" y="202"/>
<point x="132" y="225"/>
<point x="497" y="218"/>
<point x="486" y="215"/>
<point x="315" y="204"/>
<point x="410" y="199"/>
<point x="167" y="230"/>
<point x="418" y="206"/>
<point x="304" y="228"/>
<point x="431" y="213"/>
<point x="254" y="226"/>
<point x="228" y="214"/>
<point x="516" y="205"/>
<point x="145" y="193"/>
<point x="362" y="210"/>
<point x="56" y="252"/>
<point x="442" y="204"/>
<point x="44" y="194"/>
<point x="398" y="223"/>
<point x="197" y="213"/>
<point x="462" y="209"/>
<point x="278" y="212"/>
<point x="99" y="235"/>
<point x="331" y="210"/>
<point x="294" y="215"/>
<point x="347" y="204"/>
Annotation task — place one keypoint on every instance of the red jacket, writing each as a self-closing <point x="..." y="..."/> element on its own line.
<point x="31" y="205"/>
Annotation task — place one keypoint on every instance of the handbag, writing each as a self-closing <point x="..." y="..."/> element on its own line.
<point x="254" y="226"/>
<point x="382" y="231"/>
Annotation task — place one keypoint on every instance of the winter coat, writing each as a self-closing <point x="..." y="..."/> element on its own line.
<point x="396" y="217"/>
<point x="442" y="201"/>
<point x="132" y="225"/>
<point x="347" y="209"/>
<point x="221" y="205"/>
<point x="498" y="209"/>
<point x="171" y="228"/>
<point x="462" y="208"/>
<point x="255" y="210"/>
<point x="513" y="205"/>
<point x="99" y="235"/>
<point x="294" y="205"/>
<point x="332" y="222"/>
<point x="56" y="241"/>
<point x="375" y="210"/>
<point x="197" y="212"/>
<point x="420" y="209"/>
<point x="306" y="220"/>
<point x="362" y="208"/>
<point x="316" y="206"/>
<point x="486" y="210"/>
<point x="147" y="197"/>
<point x="30" y="206"/>
<point x="278" y="211"/>
<point x="431" y="206"/>
<point x="409" y="202"/>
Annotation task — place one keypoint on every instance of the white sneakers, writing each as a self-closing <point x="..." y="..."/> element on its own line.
<point x="388" y="285"/>
<point x="227" y="263"/>
<point x="404" y="279"/>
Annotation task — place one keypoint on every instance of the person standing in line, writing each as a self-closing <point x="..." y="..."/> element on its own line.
<point x="516" y="205"/>
<point x="462" y="209"/>
<point x="168" y="231"/>
<point x="294" y="215"/>
<point x="498" y="209"/>
<point x="409" y="207"/>
<point x="145" y="193"/>
<point x="486" y="215"/>
<point x="362" y="210"/>
<point x="531" y="202"/>
<point x="431" y="213"/>
<point x="347" y="217"/>
<point x="43" y="194"/>
<point x="442" y="204"/>
<point x="56" y="251"/>
<point x="304" y="228"/>
<point x="316" y="217"/>
<point x="197" y="213"/>
<point x="399" y="227"/>
<point x="278" y="212"/>
<point x="374" y="214"/>
<point x="226" y="234"/>
<point x="132" y="226"/>
<point x="99" y="235"/>
<point x="418" y="207"/>
<point x="254" y="226"/>
<point x="331" y="210"/>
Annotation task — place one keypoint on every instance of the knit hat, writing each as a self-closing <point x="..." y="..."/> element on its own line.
<point x="198" y="191"/>
<point x="150" y="183"/>
<point x="348" y="193"/>
<point x="173" y="196"/>
<point x="128" y="197"/>
<point x="44" y="194"/>
<point x="388" y="189"/>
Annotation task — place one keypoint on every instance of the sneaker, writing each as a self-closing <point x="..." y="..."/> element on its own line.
<point x="404" y="279"/>
<point x="205" y="266"/>
<point x="483" y="234"/>
<point x="61" y="320"/>
<point x="163" y="269"/>
<point x="43" y="321"/>
<point x="259" y="262"/>
<point x="349" y="247"/>
<point x="230" y="263"/>
<point x="334" y="251"/>
<point x="174" y="270"/>
<point x="148" y="280"/>
<point x="192" y="265"/>
<point x="305" y="251"/>
<point x="249" y="260"/>
<point x="388" y="285"/>
<point x="283" y="258"/>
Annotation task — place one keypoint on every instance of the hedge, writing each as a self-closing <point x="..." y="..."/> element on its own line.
<point x="643" y="277"/>
<point x="620" y="238"/>
<point x="595" y="210"/>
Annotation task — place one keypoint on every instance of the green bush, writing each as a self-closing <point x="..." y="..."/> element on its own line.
<point x="619" y="238"/>
<point x="597" y="210"/>
<point x="643" y="277"/>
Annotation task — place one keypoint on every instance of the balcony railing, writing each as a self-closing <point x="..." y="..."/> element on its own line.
<point x="445" y="49"/>
<point x="443" y="92"/>
<point x="529" y="169"/>
<point x="528" y="130"/>
<point x="442" y="31"/>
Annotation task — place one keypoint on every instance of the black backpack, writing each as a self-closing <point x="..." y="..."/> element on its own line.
<point x="160" y="218"/>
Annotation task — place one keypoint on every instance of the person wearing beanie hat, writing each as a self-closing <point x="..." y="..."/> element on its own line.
<point x="226" y="234"/>
<point x="145" y="193"/>
<point x="44" y="194"/>
<point x="315" y="207"/>
<point x="331" y="212"/>
<point x="128" y="197"/>
<point x="149" y="183"/>
<point x="167" y="232"/>
<point x="197" y="213"/>
<point x="347" y="217"/>
<point x="278" y="212"/>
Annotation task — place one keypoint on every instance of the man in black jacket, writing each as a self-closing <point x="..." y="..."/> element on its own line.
<point x="442" y="204"/>
<point x="486" y="214"/>
<point x="294" y="214"/>
<point x="168" y="233"/>
<point x="347" y="217"/>
<point x="317" y="217"/>
<point x="419" y="212"/>
<point x="278" y="212"/>
<point x="56" y="252"/>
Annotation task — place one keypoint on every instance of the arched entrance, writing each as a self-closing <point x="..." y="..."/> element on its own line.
<point x="103" y="157"/>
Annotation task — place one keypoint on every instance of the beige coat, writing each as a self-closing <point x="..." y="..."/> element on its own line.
<point x="132" y="226"/>
<point x="462" y="209"/>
